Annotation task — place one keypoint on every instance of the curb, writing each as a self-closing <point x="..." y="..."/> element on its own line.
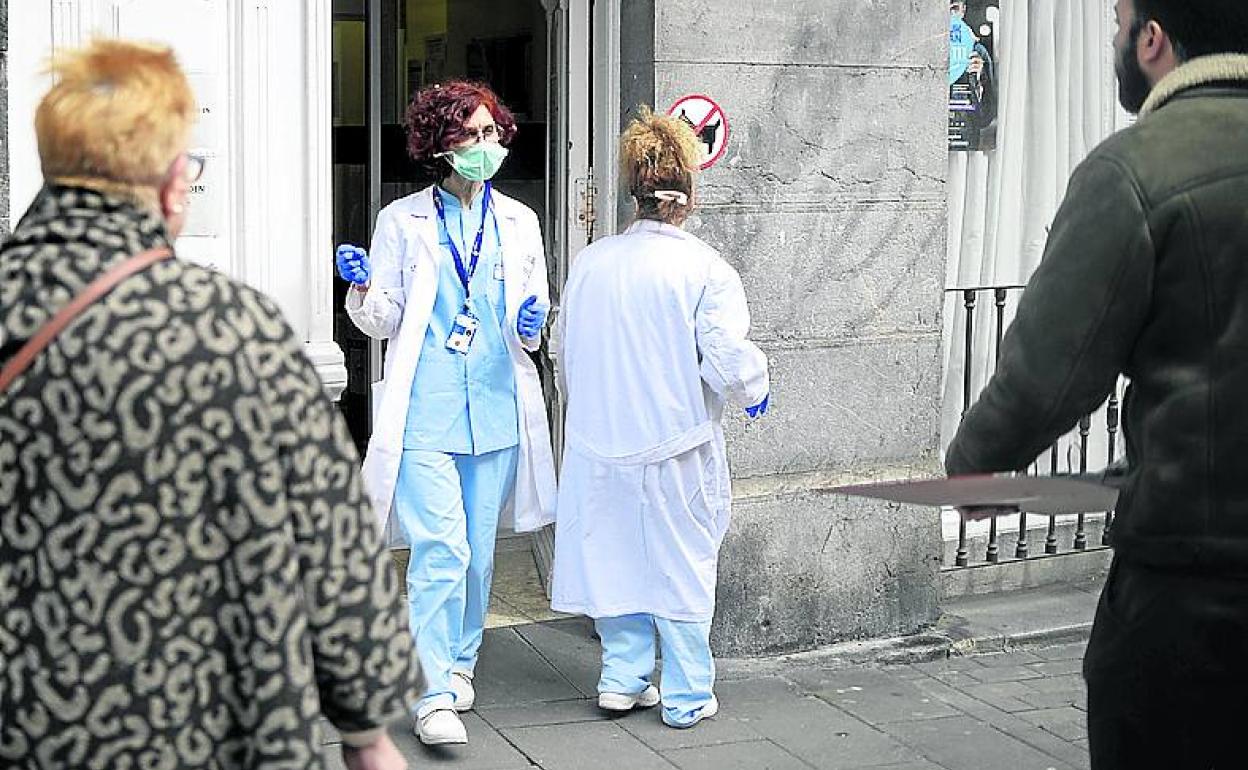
<point x="924" y="647"/>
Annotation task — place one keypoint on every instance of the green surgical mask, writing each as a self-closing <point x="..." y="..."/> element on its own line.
<point x="478" y="162"/>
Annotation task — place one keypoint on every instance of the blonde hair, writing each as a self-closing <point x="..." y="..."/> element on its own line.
<point x="116" y="119"/>
<point x="660" y="153"/>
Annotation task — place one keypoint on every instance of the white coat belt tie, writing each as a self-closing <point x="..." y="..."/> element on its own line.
<point x="673" y="447"/>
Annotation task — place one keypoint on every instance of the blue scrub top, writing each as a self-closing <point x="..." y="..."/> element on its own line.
<point x="465" y="403"/>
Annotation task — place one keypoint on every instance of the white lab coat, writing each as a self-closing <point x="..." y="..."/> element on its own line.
<point x="406" y="258"/>
<point x="651" y="342"/>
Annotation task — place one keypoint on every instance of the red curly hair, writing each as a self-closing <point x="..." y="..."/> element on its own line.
<point x="436" y="116"/>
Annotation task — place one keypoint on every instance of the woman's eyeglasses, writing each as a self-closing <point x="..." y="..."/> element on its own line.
<point x="483" y="134"/>
<point x="194" y="167"/>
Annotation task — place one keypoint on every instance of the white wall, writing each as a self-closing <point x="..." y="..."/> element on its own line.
<point x="261" y="71"/>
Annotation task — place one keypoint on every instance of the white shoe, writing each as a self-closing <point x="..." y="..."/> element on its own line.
<point x="706" y="712"/>
<point x="441" y="727"/>
<point x="461" y="688"/>
<point x="619" y="701"/>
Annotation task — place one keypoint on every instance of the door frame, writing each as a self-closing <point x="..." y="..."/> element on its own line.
<point x="583" y="109"/>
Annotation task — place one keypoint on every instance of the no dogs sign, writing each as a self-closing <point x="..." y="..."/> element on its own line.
<point x="708" y="121"/>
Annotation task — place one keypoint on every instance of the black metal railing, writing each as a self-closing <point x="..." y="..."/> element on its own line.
<point x="1078" y="441"/>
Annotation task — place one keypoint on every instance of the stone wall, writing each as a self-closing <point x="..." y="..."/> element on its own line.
<point x="831" y="203"/>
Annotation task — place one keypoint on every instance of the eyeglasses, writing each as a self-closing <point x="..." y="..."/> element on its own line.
<point x="194" y="167"/>
<point x="483" y="134"/>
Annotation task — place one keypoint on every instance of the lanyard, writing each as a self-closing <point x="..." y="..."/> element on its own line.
<point x="465" y="273"/>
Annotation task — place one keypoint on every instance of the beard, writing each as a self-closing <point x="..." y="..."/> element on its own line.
<point x="1133" y="85"/>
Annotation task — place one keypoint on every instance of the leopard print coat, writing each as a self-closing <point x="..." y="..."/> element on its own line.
<point x="190" y="574"/>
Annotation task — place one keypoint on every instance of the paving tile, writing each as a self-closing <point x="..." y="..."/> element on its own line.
<point x="877" y="697"/>
<point x="954" y="663"/>
<point x="1058" y="667"/>
<point x="1007" y="696"/>
<point x="518" y="583"/>
<point x="969" y="744"/>
<point x="751" y="755"/>
<point x="1008" y="723"/>
<point x="905" y="672"/>
<point x="588" y="745"/>
<point x="511" y="672"/>
<point x="956" y="678"/>
<point x="569" y="645"/>
<point x="733" y="724"/>
<point x="552" y="713"/>
<point x="1068" y="722"/>
<point x="503" y="615"/>
<point x="828" y="738"/>
<point x="1049" y="700"/>
<point x="1003" y="674"/>
<point x="1004" y="659"/>
<point x="757" y="690"/>
<point x="1072" y="651"/>
<point x="486" y="749"/>
<point x="1066" y="683"/>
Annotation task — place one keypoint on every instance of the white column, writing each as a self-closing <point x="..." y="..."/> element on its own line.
<point x="261" y="69"/>
<point x="317" y="116"/>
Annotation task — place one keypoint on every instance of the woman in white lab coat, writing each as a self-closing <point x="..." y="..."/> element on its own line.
<point x="456" y="281"/>
<point x="651" y="344"/>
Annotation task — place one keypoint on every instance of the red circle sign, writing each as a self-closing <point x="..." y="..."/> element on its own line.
<point x="709" y="122"/>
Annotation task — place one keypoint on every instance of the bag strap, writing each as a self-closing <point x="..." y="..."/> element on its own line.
<point x="94" y="291"/>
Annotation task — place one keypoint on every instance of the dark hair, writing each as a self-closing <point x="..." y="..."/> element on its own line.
<point x="1199" y="27"/>
<point x="436" y="116"/>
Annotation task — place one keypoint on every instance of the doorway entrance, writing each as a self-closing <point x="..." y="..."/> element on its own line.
<point x="535" y="55"/>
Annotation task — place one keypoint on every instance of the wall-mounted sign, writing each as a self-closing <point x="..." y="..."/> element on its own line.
<point x="709" y="122"/>
<point x="972" y="75"/>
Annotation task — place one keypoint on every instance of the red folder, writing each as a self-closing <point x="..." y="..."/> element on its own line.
<point x="1085" y="493"/>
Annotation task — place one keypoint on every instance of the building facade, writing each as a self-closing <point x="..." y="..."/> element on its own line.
<point x="829" y="198"/>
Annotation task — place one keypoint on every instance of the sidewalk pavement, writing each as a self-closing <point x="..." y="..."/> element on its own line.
<point x="995" y="685"/>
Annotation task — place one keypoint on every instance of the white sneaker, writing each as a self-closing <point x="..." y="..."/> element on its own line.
<point x="706" y="712"/>
<point x="461" y="687"/>
<point x="441" y="727"/>
<point x="619" y="701"/>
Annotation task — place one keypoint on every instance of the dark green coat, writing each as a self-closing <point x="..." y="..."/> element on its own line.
<point x="1145" y="274"/>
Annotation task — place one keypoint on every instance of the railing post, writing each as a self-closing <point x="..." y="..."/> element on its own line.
<point x="1111" y="423"/>
<point x="1020" y="548"/>
<point x="962" y="558"/>
<point x="1050" y="540"/>
<point x="994" y="552"/>
<point x="1085" y="427"/>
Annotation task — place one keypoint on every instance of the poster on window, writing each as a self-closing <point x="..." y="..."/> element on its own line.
<point x="973" y="90"/>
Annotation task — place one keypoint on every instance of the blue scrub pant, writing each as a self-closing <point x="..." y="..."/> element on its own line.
<point x="688" y="668"/>
<point x="448" y="507"/>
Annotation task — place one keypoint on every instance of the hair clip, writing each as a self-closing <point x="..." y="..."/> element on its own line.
<point x="671" y="195"/>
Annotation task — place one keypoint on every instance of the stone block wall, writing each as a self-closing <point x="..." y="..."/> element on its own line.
<point x="831" y="203"/>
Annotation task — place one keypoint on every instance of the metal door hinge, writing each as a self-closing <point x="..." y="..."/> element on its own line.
<point x="587" y="210"/>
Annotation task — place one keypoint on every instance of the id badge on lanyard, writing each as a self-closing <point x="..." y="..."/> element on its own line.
<point x="462" y="332"/>
<point x="464" y="328"/>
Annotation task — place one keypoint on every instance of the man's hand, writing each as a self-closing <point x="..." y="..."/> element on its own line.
<point x="381" y="754"/>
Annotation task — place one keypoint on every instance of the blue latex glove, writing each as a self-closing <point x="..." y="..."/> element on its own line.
<point x="353" y="264"/>
<point x="759" y="409"/>
<point x="531" y="319"/>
